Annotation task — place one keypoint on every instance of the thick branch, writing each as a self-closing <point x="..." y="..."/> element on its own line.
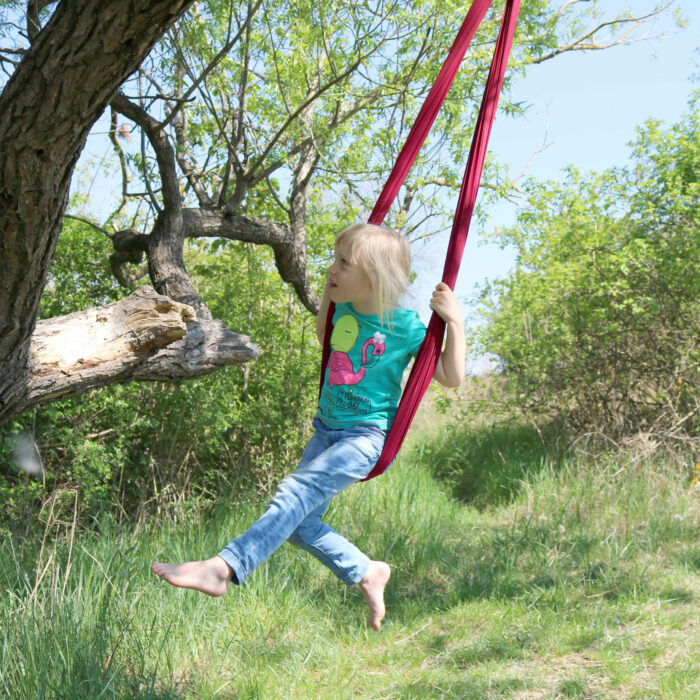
<point x="289" y="250"/>
<point x="129" y="247"/>
<point x="120" y="153"/>
<point x="165" y="155"/>
<point x="166" y="265"/>
<point x="146" y="337"/>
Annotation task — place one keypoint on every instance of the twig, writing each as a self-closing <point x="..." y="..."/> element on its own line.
<point x="89" y="223"/>
<point x="214" y="62"/>
<point x="405" y="639"/>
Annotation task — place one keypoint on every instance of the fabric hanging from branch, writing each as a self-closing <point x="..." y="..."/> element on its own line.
<point x="427" y="358"/>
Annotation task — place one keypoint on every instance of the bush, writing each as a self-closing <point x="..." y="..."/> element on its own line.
<point x="598" y="323"/>
<point x="140" y="448"/>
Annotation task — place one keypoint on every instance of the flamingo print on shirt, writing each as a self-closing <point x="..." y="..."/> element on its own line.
<point x="343" y="339"/>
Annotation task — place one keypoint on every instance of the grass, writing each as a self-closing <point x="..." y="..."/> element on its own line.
<point x="578" y="580"/>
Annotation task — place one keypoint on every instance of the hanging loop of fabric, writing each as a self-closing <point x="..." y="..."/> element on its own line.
<point x="427" y="358"/>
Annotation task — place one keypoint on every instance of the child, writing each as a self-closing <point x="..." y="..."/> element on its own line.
<point x="356" y="408"/>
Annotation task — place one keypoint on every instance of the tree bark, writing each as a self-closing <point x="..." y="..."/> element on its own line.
<point x="146" y="336"/>
<point x="60" y="88"/>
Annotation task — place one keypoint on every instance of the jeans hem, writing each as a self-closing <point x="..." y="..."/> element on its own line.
<point x="235" y="565"/>
<point x="352" y="581"/>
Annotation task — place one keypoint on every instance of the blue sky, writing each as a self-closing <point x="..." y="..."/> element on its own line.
<point x="586" y="106"/>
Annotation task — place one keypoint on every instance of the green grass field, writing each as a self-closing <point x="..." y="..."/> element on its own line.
<point x="573" y="579"/>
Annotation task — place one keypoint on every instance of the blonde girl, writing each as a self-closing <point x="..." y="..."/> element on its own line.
<point x="373" y="340"/>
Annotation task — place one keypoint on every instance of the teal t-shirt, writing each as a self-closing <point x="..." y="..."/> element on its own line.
<point x="363" y="378"/>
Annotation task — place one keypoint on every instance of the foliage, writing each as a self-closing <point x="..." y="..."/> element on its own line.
<point x="598" y="322"/>
<point x="80" y="276"/>
<point x="332" y="87"/>
<point x="139" y="449"/>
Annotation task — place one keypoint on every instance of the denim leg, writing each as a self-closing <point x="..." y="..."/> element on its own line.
<point x="342" y="557"/>
<point x="333" y="460"/>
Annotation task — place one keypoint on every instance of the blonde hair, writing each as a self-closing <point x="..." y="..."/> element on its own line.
<point x="385" y="256"/>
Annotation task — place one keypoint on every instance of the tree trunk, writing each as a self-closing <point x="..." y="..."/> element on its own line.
<point x="64" y="82"/>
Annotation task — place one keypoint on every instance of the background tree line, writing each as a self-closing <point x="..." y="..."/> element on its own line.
<point x="597" y="326"/>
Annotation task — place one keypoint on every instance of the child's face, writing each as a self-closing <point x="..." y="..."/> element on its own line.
<point x="348" y="282"/>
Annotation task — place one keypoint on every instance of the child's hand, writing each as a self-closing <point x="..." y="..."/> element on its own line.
<point x="445" y="304"/>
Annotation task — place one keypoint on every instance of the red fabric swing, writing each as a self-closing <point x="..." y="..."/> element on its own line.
<point x="429" y="353"/>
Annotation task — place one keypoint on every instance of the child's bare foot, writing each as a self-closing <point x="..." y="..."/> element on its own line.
<point x="211" y="576"/>
<point x="372" y="585"/>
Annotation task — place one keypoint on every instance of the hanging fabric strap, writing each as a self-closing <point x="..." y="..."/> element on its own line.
<point x="429" y="353"/>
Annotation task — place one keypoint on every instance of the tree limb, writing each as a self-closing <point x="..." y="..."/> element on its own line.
<point x="158" y="139"/>
<point x="143" y="337"/>
<point x="581" y="44"/>
<point x="75" y="217"/>
<point x="290" y="254"/>
<point x="165" y="260"/>
<point x="118" y="150"/>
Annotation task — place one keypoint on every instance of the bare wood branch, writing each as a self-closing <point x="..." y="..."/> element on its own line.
<point x="238" y="141"/>
<point x="564" y="6"/>
<point x="206" y="96"/>
<point x="144" y="337"/>
<point x="541" y="149"/>
<point x="341" y="114"/>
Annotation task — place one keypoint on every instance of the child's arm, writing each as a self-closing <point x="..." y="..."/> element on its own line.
<point x="450" y="367"/>
<point x="322" y="314"/>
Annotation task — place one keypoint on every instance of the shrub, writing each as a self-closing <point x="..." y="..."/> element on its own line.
<point x="598" y="323"/>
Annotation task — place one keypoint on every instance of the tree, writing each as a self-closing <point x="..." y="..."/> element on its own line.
<point x="322" y="95"/>
<point x="57" y="91"/>
<point x="599" y="321"/>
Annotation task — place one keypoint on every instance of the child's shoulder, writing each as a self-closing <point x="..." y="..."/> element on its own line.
<point x="408" y="320"/>
<point x="407" y="314"/>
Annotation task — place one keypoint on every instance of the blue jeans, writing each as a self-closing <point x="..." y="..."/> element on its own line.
<point x="332" y="461"/>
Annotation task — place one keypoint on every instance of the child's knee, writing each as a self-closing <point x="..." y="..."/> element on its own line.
<point x="306" y="533"/>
